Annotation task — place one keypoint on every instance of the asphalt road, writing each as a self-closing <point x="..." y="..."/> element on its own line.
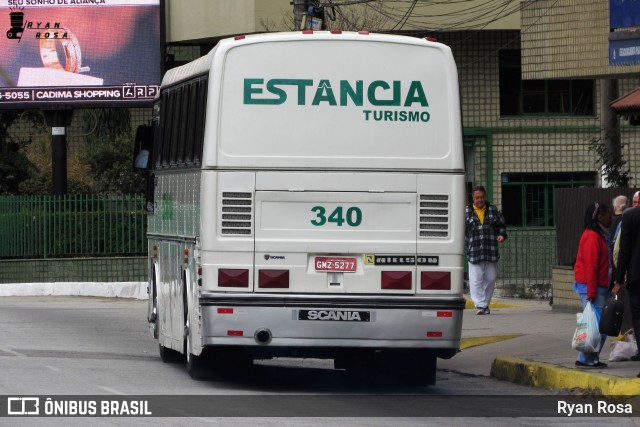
<point x="81" y="346"/>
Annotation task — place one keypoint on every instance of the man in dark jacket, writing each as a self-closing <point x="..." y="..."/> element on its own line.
<point x="485" y="227"/>
<point x="629" y="266"/>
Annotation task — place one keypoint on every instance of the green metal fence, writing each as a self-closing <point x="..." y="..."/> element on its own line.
<point x="72" y="226"/>
<point x="526" y="259"/>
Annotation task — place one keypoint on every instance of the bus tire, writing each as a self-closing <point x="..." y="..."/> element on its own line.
<point x="169" y="355"/>
<point x="197" y="366"/>
<point x="418" y="370"/>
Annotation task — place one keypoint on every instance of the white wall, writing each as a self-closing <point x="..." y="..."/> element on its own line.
<point x="197" y="19"/>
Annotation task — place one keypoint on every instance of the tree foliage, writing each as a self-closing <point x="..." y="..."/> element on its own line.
<point x="103" y="164"/>
<point x="109" y="151"/>
<point x="613" y="166"/>
<point x="15" y="167"/>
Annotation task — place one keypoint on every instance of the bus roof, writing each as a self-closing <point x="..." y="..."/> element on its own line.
<point x="203" y="64"/>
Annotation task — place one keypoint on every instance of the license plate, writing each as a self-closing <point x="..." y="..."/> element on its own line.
<point x="335" y="264"/>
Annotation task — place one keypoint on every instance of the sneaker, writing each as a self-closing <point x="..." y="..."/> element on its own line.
<point x="480" y="311"/>
<point x="487" y="311"/>
<point x="635" y="357"/>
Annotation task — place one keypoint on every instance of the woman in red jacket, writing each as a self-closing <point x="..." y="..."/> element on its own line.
<point x="592" y="270"/>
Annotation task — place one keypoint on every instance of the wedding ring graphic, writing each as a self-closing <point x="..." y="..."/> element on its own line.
<point x="72" y="53"/>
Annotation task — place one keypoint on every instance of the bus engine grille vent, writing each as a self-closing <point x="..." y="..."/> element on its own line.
<point x="433" y="214"/>
<point x="236" y="218"/>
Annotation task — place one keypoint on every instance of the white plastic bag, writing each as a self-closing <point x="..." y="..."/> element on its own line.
<point x="623" y="350"/>
<point x="587" y="336"/>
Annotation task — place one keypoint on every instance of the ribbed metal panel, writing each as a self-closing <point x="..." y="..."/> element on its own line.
<point x="236" y="217"/>
<point x="433" y="214"/>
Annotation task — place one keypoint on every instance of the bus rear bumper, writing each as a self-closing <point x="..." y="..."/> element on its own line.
<point x="332" y="321"/>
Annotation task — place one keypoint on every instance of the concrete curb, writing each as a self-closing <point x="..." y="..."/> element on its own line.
<point x="544" y="375"/>
<point x="137" y="290"/>
<point x="469" y="342"/>
<point x="469" y="305"/>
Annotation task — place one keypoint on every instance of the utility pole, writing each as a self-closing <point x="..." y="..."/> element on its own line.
<point x="609" y="120"/>
<point x="308" y="15"/>
<point x="299" y="10"/>
<point x="59" y="120"/>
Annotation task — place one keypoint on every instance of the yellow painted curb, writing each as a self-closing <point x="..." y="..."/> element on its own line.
<point x="469" y="305"/>
<point x="476" y="341"/>
<point x="544" y="375"/>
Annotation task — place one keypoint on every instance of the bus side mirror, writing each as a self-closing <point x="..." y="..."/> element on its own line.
<point x="142" y="144"/>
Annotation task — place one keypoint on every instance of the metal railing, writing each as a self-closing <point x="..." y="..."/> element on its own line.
<point x="74" y="225"/>
<point x="526" y="259"/>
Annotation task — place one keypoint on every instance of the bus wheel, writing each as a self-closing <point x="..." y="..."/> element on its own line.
<point x="417" y="369"/>
<point x="169" y="355"/>
<point x="196" y="365"/>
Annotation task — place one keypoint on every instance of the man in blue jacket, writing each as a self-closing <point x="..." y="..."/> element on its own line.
<point x="485" y="228"/>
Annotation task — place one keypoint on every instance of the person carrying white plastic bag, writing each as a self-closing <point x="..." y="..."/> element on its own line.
<point x="592" y="271"/>
<point x="587" y="337"/>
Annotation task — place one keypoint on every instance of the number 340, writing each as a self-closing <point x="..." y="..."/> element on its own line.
<point x="352" y="216"/>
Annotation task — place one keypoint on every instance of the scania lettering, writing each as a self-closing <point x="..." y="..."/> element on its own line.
<point x="333" y="315"/>
<point x="306" y="208"/>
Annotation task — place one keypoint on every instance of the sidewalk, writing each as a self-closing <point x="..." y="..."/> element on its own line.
<point x="526" y="342"/>
<point x="137" y="290"/>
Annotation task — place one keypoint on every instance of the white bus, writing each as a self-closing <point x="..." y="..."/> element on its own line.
<point x="307" y="201"/>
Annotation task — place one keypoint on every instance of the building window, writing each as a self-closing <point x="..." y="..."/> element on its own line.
<point x="541" y="97"/>
<point x="528" y="199"/>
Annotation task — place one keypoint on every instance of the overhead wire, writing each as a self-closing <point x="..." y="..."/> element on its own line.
<point x="421" y="14"/>
<point x="522" y="30"/>
<point x="406" y="16"/>
<point x="474" y="15"/>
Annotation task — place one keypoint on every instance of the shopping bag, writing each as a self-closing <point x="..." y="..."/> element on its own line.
<point x="587" y="335"/>
<point x="623" y="350"/>
<point x="611" y="318"/>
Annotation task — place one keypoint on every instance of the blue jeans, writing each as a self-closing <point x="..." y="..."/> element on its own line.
<point x="598" y="304"/>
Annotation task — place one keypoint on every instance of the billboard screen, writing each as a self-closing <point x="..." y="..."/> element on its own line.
<point x="79" y="53"/>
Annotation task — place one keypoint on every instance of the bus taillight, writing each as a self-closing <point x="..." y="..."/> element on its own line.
<point x="273" y="279"/>
<point x="233" y="278"/>
<point x="396" y="280"/>
<point x="435" y="280"/>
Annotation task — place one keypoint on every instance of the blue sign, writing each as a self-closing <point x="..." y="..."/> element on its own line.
<point x="624" y="52"/>
<point x="624" y="13"/>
